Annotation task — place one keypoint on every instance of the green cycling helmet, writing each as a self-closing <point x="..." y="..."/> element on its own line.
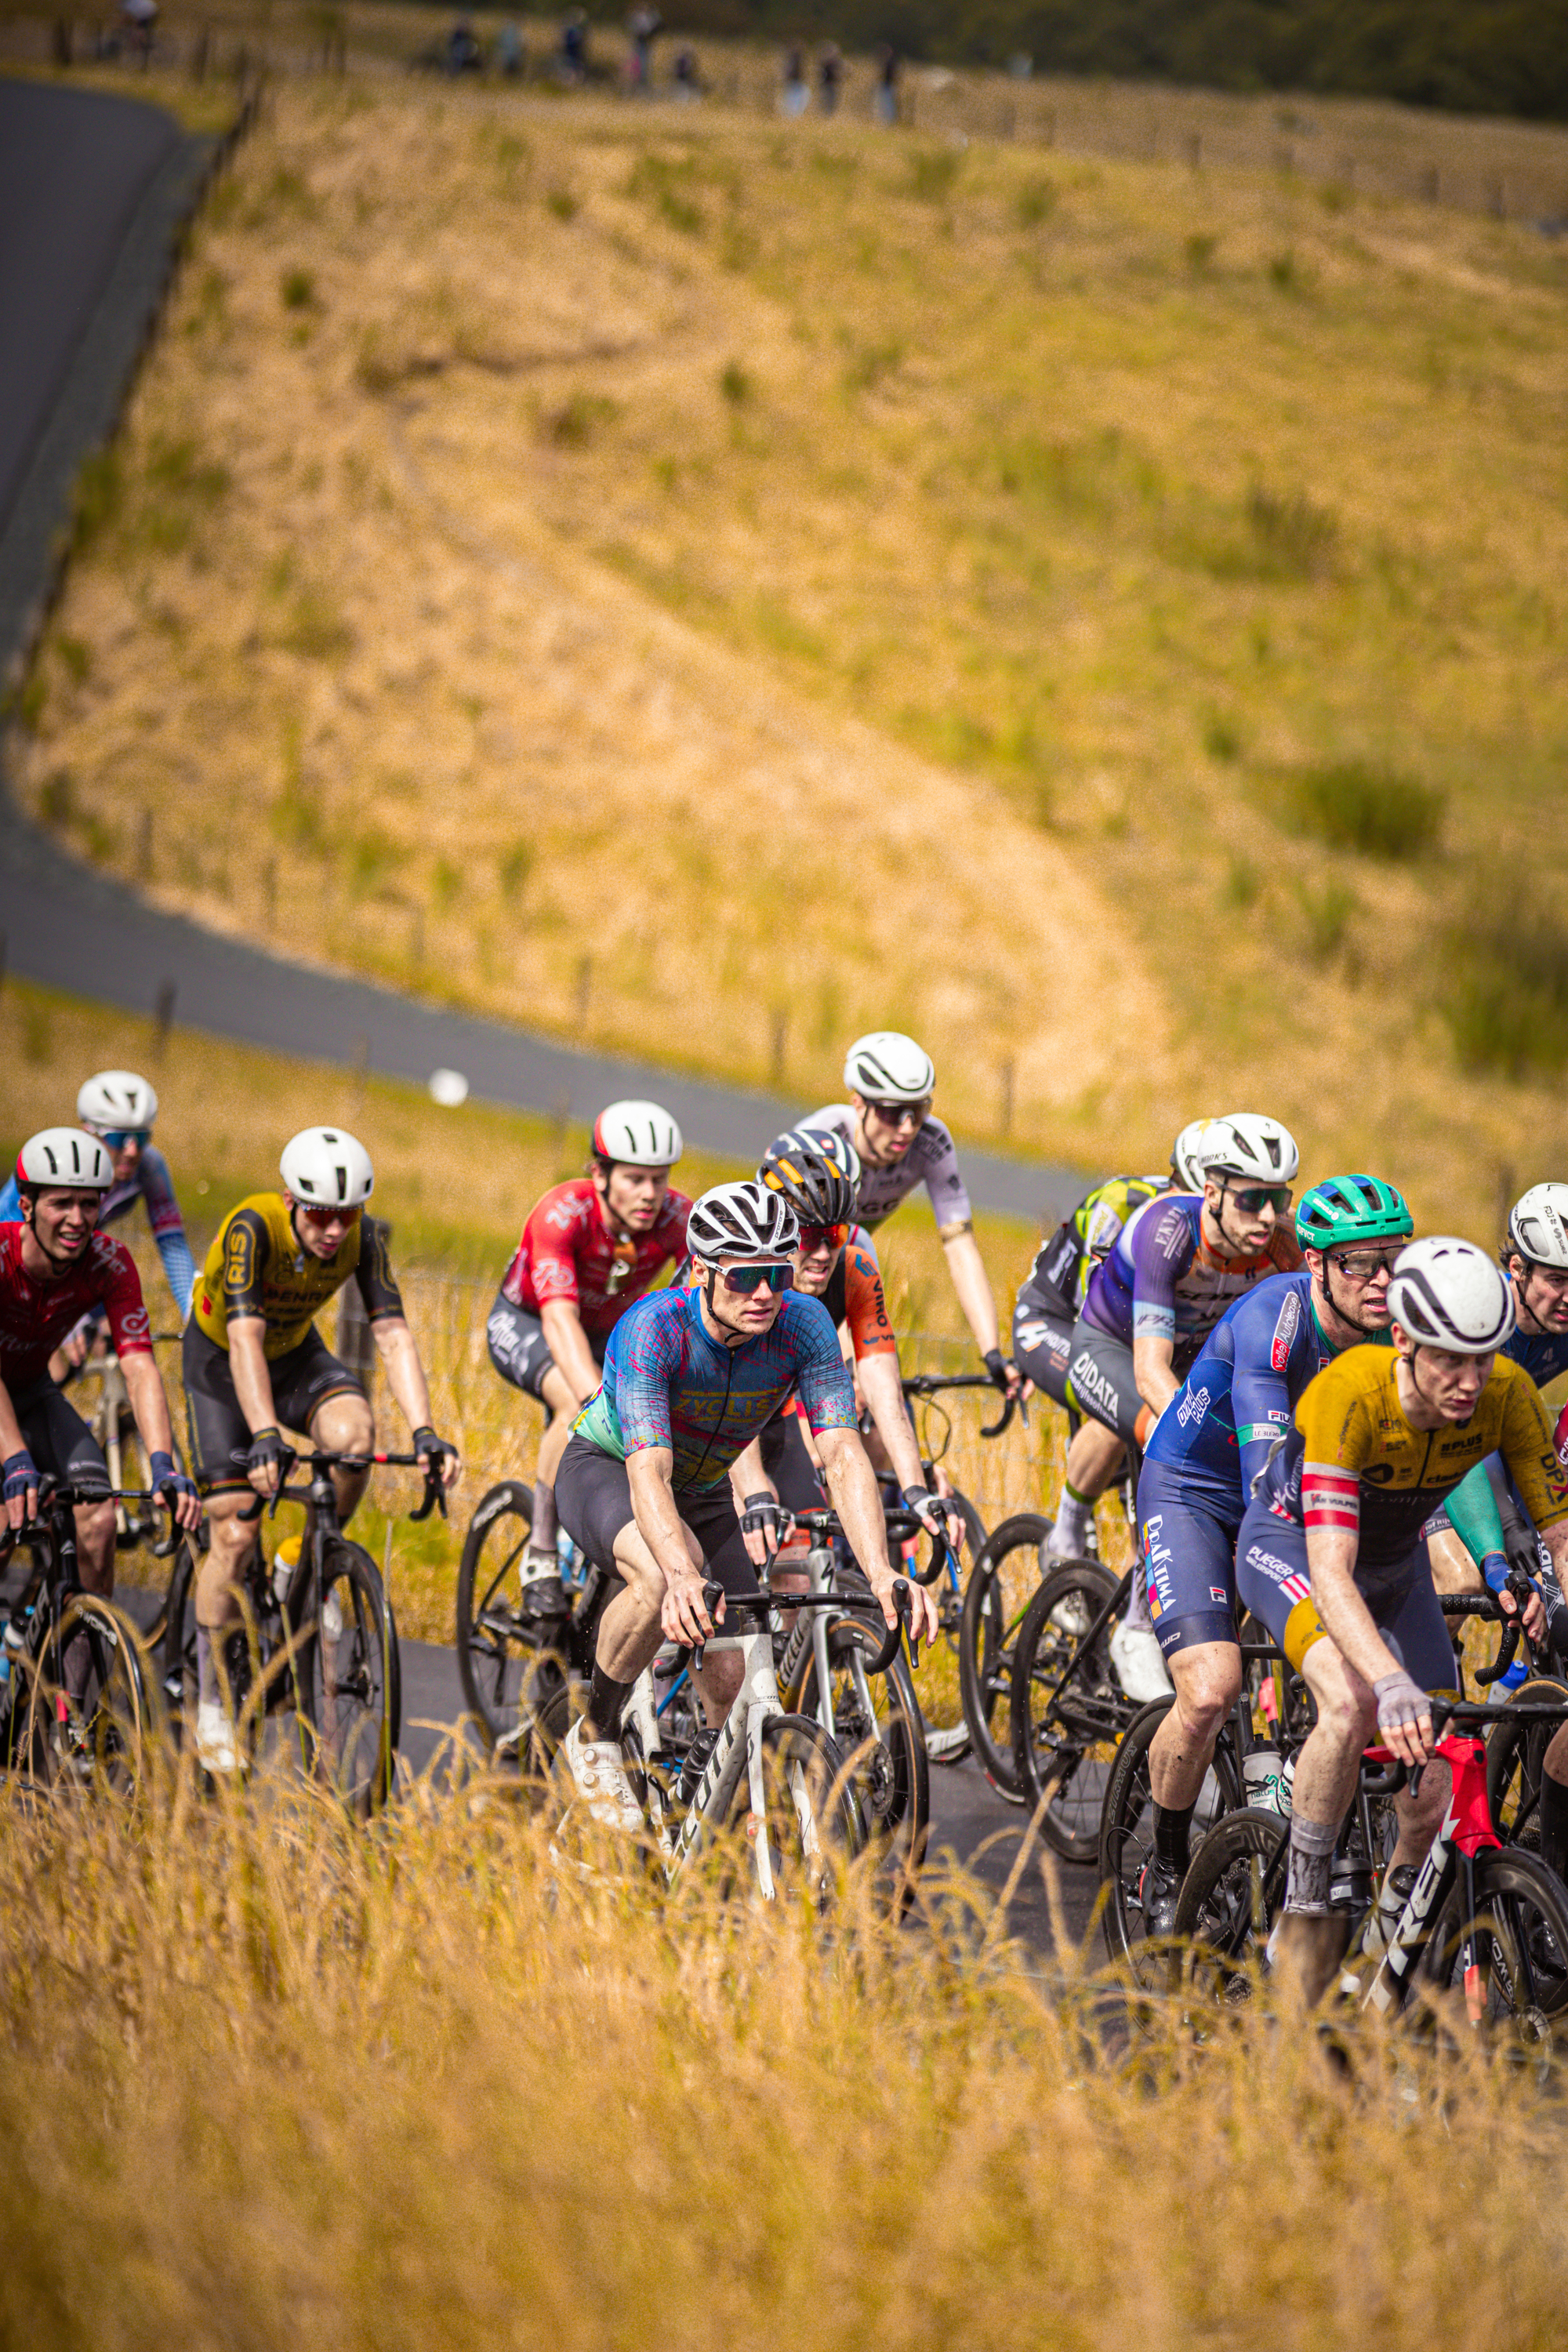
<point x="1343" y="1209"/>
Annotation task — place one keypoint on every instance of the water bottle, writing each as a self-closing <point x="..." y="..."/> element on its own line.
<point x="1267" y="1784"/>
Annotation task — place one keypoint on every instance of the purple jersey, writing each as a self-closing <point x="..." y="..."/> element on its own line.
<point x="1161" y="1281"/>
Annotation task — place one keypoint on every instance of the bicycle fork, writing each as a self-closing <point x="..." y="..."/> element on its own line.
<point x="738" y="1747"/>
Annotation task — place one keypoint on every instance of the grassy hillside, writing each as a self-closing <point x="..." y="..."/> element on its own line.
<point x="710" y="590"/>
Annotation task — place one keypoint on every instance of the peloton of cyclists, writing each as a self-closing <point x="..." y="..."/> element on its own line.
<point x="899" y="1144"/>
<point x="589" y="1248"/>
<point x="255" y="1365"/>
<point x="1215" y="1439"/>
<point x="119" y="1109"/>
<point x="1151" y="1302"/>
<point x="691" y="1375"/>
<point x="55" y="1268"/>
<point x="1329" y="1559"/>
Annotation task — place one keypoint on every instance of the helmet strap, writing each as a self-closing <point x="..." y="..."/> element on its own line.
<point x="1346" y="1317"/>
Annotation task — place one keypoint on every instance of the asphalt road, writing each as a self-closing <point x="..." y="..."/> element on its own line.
<point x="92" y="194"/>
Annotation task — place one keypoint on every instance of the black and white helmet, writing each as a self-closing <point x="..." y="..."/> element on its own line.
<point x="327" y="1168"/>
<point x="1187" y="1155"/>
<point x="1447" y="1293"/>
<point x="887" y="1067"/>
<point x="1258" y="1151"/>
<point x="64" y="1158"/>
<point x="818" y="1171"/>
<point x="742" y="1221"/>
<point x="638" y="1135"/>
<point x="1538" y="1225"/>
<point x="114" y="1100"/>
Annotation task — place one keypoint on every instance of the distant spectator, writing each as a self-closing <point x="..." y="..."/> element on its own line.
<point x="573" y="65"/>
<point x="795" y="96"/>
<point x="885" y="99"/>
<point x="687" y="77"/>
<point x="510" y="57"/>
<point x="829" y="75"/>
<point x="463" y="52"/>
<point x="644" y="25"/>
<point x="138" y="20"/>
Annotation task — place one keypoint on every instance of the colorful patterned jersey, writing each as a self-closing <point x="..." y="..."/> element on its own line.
<point x="1161" y="1281"/>
<point x="931" y="1160"/>
<point x="257" y="1267"/>
<point x="667" y="1383"/>
<point x="567" y="1251"/>
<point x="35" y="1317"/>
<point x="1352" y="1460"/>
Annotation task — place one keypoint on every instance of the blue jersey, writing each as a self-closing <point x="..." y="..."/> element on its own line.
<point x="1220" y="1427"/>
<point x="1543" y="1354"/>
<point x="667" y="1384"/>
<point x="153" y="1186"/>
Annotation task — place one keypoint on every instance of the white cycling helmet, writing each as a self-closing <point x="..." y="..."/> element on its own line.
<point x="116" y="1099"/>
<point x="65" y="1159"/>
<point x="1538" y="1225"/>
<point x="743" y="1220"/>
<point x="1447" y="1293"/>
<point x="638" y="1135"/>
<point x="328" y="1169"/>
<point x="1259" y="1151"/>
<point x="1186" y="1155"/>
<point x="890" y="1068"/>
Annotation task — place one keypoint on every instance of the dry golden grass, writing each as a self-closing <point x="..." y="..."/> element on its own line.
<point x="268" y="2080"/>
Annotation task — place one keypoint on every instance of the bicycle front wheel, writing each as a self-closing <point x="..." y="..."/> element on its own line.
<point x="1228" y="1903"/>
<point x="809" y="1830"/>
<point x="497" y="1651"/>
<point x="1001" y="1584"/>
<point x="1506" y="1959"/>
<point x="1515" y="1748"/>
<point x="91" y="1717"/>
<point x="878" y="1729"/>
<point x="1127" y="1831"/>
<point x="353" y="1682"/>
<point x="1068" y="1707"/>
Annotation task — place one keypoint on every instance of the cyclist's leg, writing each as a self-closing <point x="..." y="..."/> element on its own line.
<point x="1042" y="1343"/>
<point x="315" y="1391"/>
<point x="521" y="1354"/>
<point x="219" y="1443"/>
<point x="1187" y="1550"/>
<point x="1102" y="1386"/>
<point x="1411" y="1622"/>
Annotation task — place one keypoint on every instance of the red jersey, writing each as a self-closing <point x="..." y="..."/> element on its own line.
<point x="568" y="1252"/>
<point x="35" y="1317"/>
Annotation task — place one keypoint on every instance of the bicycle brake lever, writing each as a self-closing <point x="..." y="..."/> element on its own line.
<point x="904" y="1602"/>
<point x="712" y="1596"/>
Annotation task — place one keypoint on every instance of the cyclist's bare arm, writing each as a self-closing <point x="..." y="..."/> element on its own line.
<point x="1153" y="1368"/>
<point x="881" y="1388"/>
<point x="21" y="1508"/>
<point x="747" y="1476"/>
<point x="144" y="1387"/>
<point x="1347" y="1619"/>
<point x="406" y="1379"/>
<point x="253" y="1386"/>
<point x="972" y="1285"/>
<point x="568" y="1344"/>
<point x="858" y="1499"/>
<point x="683" y="1615"/>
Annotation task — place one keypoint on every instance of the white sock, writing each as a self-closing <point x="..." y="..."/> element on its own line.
<point x="1073" y="1517"/>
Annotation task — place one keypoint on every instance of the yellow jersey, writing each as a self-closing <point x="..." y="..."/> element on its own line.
<point x="257" y="1267"/>
<point x="1352" y="1461"/>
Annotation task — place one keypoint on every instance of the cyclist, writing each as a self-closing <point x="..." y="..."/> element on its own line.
<point x="55" y="1268"/>
<point x="690" y="1375"/>
<point x="255" y="1364"/>
<point x="1051" y="1299"/>
<point x="1330" y="1555"/>
<point x="1202" y="1459"/>
<point x="590" y="1247"/>
<point x="815" y="1171"/>
<point x="1151" y="1302"/>
<point x="888" y="1120"/>
<point x="119" y="1109"/>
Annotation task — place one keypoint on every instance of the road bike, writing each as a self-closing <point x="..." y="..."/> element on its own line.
<point x="1484" y="1922"/>
<point x="97" y="1735"/>
<point x="113" y="1425"/>
<point x="512" y="1664"/>
<point x="951" y="1743"/>
<point x="319" y="1641"/>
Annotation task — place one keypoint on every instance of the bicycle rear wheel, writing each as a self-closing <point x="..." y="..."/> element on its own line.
<point x="1514" y="1753"/>
<point x="878" y="1728"/>
<point x="1517" y="1933"/>
<point x="1127" y="1831"/>
<point x="353" y="1682"/>
<point x="1068" y="1707"/>
<point x="1001" y="1584"/>
<point x="810" y="1828"/>
<point x="498" y="1650"/>
<point x="90" y="1717"/>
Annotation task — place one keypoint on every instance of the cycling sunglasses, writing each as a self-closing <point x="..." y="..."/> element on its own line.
<point x="895" y="1114"/>
<point x="329" y="1216"/>
<point x="816" y="1237"/>
<point x="117" y="1138"/>
<point x="745" y="1279"/>
<point x="1363" y="1264"/>
<point x="1250" y="1198"/>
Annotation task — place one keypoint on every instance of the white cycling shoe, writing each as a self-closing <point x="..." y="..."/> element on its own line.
<point x="1140" y="1667"/>
<point x="216" y="1749"/>
<point x="600" y="1779"/>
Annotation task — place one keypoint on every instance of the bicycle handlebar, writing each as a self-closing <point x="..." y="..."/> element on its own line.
<point x="290" y="1460"/>
<point x="927" y="1385"/>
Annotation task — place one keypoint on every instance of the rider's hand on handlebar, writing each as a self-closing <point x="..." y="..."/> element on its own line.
<point x="1403" y="1717"/>
<point x="684" y="1616"/>
<point x="175" y="1492"/>
<point x="935" y="1512"/>
<point x="433" y="1453"/>
<point x="923" y="1626"/>
<point x="265" y="1461"/>
<point x="21" y="1488"/>
<point x="1005" y="1372"/>
<point x="765" y="1523"/>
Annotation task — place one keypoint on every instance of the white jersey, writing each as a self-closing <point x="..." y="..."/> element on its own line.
<point x="931" y="1160"/>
